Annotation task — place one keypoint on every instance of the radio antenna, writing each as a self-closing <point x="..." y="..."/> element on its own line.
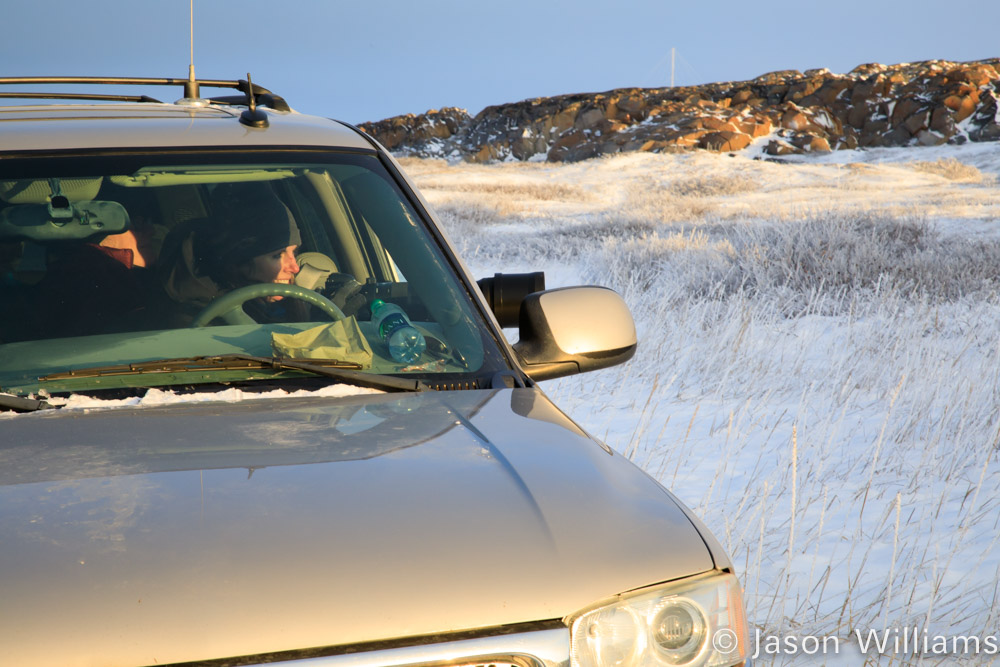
<point x="191" y="87"/>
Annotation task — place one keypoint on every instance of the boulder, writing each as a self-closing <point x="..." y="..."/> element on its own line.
<point x="724" y="141"/>
<point x="527" y="145"/>
<point x="943" y="121"/>
<point x="850" y="140"/>
<point x="779" y="76"/>
<point x="990" y="132"/>
<point x="568" y="140"/>
<point x="897" y="136"/>
<point x="754" y="126"/>
<point x="779" y="147"/>
<point x="917" y="122"/>
<point x="828" y="93"/>
<point x="584" y="151"/>
<point x="963" y="105"/>
<point x="558" y="123"/>
<point x="803" y="88"/>
<point x="875" y="126"/>
<point x="859" y="114"/>
<point x="588" y="118"/>
<point x="719" y="124"/>
<point x="487" y="153"/>
<point x="873" y="89"/>
<point x="793" y="119"/>
<point x="634" y="105"/>
<point x="828" y="121"/>
<point x="868" y="69"/>
<point x="686" y="138"/>
<point x="810" y="143"/>
<point x="905" y="108"/>
<point x="741" y="96"/>
<point x="797" y="119"/>
<point x="873" y="140"/>
<point x="931" y="138"/>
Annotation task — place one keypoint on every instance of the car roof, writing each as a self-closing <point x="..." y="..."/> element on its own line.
<point x="157" y="125"/>
<point x="98" y="120"/>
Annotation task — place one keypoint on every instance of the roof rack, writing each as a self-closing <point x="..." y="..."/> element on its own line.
<point x="252" y="93"/>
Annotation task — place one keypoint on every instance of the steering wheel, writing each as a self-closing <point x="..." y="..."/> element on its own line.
<point x="229" y="306"/>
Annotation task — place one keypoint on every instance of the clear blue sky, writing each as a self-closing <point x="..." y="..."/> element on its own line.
<point x="371" y="59"/>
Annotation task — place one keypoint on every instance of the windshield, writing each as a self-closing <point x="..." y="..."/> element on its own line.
<point x="108" y="263"/>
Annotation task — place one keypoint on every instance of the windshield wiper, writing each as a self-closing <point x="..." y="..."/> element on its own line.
<point x="342" y="371"/>
<point x="18" y="404"/>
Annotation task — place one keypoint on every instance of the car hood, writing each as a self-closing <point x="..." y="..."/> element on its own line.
<point x="198" y="531"/>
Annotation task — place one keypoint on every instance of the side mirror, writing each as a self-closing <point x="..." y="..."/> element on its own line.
<point x="574" y="330"/>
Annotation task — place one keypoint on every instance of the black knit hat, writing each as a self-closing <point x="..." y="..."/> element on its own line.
<point x="248" y="221"/>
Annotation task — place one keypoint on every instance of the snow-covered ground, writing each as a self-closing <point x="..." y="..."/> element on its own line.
<point x="816" y="376"/>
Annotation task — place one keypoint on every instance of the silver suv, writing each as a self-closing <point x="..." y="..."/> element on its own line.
<point x="253" y="410"/>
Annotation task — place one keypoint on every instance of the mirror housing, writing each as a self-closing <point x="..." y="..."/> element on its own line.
<point x="61" y="220"/>
<point x="574" y="330"/>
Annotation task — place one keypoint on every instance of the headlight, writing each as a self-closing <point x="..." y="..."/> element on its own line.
<point x="696" y="622"/>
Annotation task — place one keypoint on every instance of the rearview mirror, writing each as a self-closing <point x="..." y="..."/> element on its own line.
<point x="61" y="220"/>
<point x="574" y="330"/>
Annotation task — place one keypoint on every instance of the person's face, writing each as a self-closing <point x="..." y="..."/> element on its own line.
<point x="273" y="267"/>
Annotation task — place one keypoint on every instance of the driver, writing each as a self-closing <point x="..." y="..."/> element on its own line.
<point x="250" y="239"/>
<point x="254" y="242"/>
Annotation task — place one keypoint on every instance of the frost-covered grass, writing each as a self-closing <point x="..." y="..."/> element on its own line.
<point x="817" y="374"/>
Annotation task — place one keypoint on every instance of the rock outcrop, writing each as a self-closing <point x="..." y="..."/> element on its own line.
<point x="787" y="112"/>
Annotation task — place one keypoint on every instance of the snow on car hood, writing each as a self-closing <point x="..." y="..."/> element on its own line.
<point x="208" y="530"/>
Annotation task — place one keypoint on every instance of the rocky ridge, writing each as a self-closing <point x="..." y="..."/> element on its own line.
<point x="788" y="112"/>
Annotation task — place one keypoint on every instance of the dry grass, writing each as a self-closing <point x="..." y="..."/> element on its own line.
<point x="714" y="185"/>
<point x="648" y="201"/>
<point x="951" y="169"/>
<point x="529" y="191"/>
